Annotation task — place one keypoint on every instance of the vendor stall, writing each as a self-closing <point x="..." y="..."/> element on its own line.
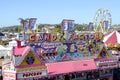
<point x="68" y="56"/>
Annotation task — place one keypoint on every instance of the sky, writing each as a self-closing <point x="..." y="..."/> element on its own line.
<point x="54" y="11"/>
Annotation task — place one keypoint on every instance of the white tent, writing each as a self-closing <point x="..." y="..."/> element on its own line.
<point x="4" y="51"/>
<point x="2" y="47"/>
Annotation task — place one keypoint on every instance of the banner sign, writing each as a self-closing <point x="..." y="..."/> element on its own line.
<point x="91" y="26"/>
<point x="67" y="25"/>
<point x="106" y="63"/>
<point x="105" y="25"/>
<point x="9" y="75"/>
<point x="48" y="37"/>
<point x="32" y="22"/>
<point x="31" y="74"/>
<point x="25" y="25"/>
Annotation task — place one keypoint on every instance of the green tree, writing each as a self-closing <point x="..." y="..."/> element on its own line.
<point x="21" y="20"/>
<point x="79" y="27"/>
<point x="56" y="30"/>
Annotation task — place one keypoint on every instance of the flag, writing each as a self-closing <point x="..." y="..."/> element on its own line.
<point x="64" y="25"/>
<point x="32" y="22"/>
<point x="25" y="26"/>
<point x="105" y="25"/>
<point x="91" y="26"/>
<point x="67" y="25"/>
<point x="70" y="24"/>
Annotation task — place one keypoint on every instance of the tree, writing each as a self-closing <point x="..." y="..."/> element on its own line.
<point x="79" y="27"/>
<point x="22" y="20"/>
<point x="57" y="29"/>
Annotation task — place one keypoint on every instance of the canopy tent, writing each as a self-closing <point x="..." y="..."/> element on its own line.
<point x="112" y="38"/>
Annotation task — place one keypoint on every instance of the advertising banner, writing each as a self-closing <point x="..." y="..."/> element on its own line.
<point x="67" y="25"/>
<point x="9" y="76"/>
<point x="91" y="26"/>
<point x="29" y="75"/>
<point x="105" y="25"/>
<point x="25" y="26"/>
<point x="32" y="22"/>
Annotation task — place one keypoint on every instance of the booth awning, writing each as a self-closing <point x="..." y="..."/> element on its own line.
<point x="70" y="66"/>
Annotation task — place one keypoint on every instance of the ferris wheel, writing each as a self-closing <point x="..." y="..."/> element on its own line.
<point x="102" y="19"/>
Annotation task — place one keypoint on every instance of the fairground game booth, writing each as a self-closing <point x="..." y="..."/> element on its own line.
<point x="68" y="56"/>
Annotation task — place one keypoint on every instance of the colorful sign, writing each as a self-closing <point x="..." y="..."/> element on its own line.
<point x="32" y="37"/>
<point x="21" y="70"/>
<point x="103" y="53"/>
<point x="31" y="74"/>
<point x="47" y="37"/>
<point x="8" y="67"/>
<point x="63" y="51"/>
<point x="105" y="25"/>
<point x="91" y="26"/>
<point x="67" y="25"/>
<point x="25" y="25"/>
<point x="32" y="22"/>
<point x="9" y="75"/>
<point x="30" y="59"/>
<point x="107" y="64"/>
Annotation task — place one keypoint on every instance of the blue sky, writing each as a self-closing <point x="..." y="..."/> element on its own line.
<point x="53" y="11"/>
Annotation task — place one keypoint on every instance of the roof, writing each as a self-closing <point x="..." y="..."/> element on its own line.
<point x="13" y="41"/>
<point x="2" y="47"/>
<point x="20" y="51"/>
<point x="23" y="57"/>
<point x="1" y="34"/>
<point x="113" y="37"/>
<point x="70" y="66"/>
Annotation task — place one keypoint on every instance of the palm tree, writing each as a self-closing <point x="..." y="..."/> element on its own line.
<point x="21" y="22"/>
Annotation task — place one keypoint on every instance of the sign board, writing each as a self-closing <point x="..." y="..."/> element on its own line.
<point x="107" y="63"/>
<point x="21" y="70"/>
<point x="67" y="25"/>
<point x="9" y="75"/>
<point x="31" y="74"/>
<point x="48" y="37"/>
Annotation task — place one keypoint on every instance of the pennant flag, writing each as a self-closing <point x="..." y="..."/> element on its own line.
<point x="25" y="26"/>
<point x="32" y="22"/>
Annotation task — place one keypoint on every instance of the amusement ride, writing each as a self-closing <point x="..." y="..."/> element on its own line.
<point x="102" y="20"/>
